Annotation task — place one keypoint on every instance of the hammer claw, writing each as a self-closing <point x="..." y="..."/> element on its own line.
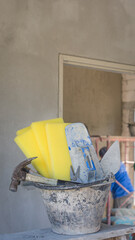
<point x="19" y="174"/>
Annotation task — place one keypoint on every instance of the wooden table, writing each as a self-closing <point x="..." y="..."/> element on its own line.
<point x="106" y="231"/>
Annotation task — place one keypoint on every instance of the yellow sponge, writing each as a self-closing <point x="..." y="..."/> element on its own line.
<point x="58" y="150"/>
<point x="28" y="144"/>
<point x="22" y="130"/>
<point x="40" y="134"/>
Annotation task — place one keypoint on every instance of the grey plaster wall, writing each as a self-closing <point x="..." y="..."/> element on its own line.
<point x="32" y="34"/>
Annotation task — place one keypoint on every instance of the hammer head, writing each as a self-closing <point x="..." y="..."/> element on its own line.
<point x="19" y="174"/>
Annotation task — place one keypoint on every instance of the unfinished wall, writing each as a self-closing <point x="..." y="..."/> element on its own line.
<point x="128" y="106"/>
<point x="128" y="101"/>
<point x="32" y="34"/>
<point x="91" y="96"/>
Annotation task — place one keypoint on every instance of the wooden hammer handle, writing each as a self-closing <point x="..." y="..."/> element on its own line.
<point x="34" y="178"/>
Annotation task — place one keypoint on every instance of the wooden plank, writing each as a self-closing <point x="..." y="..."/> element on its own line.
<point x="47" y="234"/>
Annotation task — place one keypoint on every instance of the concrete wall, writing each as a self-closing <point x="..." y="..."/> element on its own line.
<point x="128" y="106"/>
<point x="128" y="101"/>
<point x="94" y="98"/>
<point x="32" y="34"/>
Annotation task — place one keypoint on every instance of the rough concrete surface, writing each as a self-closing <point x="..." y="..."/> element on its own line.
<point x="32" y="34"/>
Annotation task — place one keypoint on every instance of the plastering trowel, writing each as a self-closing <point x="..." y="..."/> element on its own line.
<point x="82" y="153"/>
<point x="111" y="160"/>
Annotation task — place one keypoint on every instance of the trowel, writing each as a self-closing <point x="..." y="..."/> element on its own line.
<point x="111" y="160"/>
<point x="82" y="153"/>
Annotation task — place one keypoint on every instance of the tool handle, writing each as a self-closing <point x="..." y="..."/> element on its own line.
<point x="34" y="178"/>
<point x="99" y="170"/>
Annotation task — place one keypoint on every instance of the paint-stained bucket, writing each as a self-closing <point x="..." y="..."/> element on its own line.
<point x="76" y="209"/>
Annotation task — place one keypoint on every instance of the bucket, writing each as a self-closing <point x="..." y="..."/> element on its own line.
<point x="76" y="209"/>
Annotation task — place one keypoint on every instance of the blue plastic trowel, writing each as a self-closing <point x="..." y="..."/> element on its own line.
<point x="82" y="153"/>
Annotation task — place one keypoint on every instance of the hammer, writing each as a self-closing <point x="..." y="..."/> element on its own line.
<point x="19" y="174"/>
<point x="22" y="173"/>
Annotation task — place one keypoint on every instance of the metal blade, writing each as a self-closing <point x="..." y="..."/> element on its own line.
<point x="111" y="160"/>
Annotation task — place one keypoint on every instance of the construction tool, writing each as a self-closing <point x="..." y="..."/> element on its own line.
<point x="75" y="176"/>
<point x="76" y="153"/>
<point x="111" y="160"/>
<point x="58" y="150"/>
<point x="41" y="138"/>
<point x="22" y="173"/>
<point x="82" y="153"/>
<point x="28" y="144"/>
